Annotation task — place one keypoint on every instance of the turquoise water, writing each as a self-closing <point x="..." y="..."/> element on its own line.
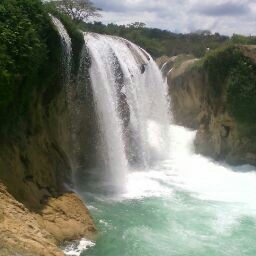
<point x="178" y="226"/>
<point x="186" y="205"/>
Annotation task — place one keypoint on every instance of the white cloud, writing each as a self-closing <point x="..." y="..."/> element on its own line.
<point x="224" y="16"/>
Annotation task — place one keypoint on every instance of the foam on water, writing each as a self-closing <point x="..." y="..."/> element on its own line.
<point x="205" y="178"/>
<point x="145" y="184"/>
<point x="75" y="249"/>
<point x="175" y="202"/>
<point x="210" y="180"/>
<point x="185" y="205"/>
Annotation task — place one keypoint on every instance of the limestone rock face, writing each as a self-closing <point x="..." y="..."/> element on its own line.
<point x="20" y="233"/>
<point x="187" y="95"/>
<point x="66" y="218"/>
<point x="194" y="105"/>
<point x="25" y="233"/>
<point x="38" y="213"/>
<point x="35" y="166"/>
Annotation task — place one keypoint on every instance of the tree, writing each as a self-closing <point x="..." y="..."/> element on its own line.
<point x="78" y="10"/>
<point x="137" y="25"/>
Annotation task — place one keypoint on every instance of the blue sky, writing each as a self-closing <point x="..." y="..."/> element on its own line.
<point x="224" y="16"/>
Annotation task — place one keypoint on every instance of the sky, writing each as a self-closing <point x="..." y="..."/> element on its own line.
<point x="223" y="16"/>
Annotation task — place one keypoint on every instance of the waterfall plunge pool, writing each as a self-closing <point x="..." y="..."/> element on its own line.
<point x="182" y="205"/>
<point x="187" y="205"/>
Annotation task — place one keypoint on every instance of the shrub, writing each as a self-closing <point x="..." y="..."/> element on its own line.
<point x="74" y="31"/>
<point x="219" y="64"/>
<point x="241" y="91"/>
<point x="232" y="78"/>
<point x="24" y="31"/>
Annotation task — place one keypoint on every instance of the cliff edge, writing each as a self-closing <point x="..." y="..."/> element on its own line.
<point x="38" y="210"/>
<point x="216" y="96"/>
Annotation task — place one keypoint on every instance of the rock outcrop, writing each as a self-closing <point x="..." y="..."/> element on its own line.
<point x="66" y="218"/>
<point x="195" y="104"/>
<point x="26" y="233"/>
<point x="47" y="131"/>
<point x="37" y="211"/>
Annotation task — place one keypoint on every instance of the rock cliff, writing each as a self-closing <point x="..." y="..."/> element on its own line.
<point x="214" y="95"/>
<point x="47" y="129"/>
<point x="38" y="212"/>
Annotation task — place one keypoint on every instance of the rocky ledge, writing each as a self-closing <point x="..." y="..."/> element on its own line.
<point x="27" y="233"/>
<point x="37" y="212"/>
<point x="215" y="96"/>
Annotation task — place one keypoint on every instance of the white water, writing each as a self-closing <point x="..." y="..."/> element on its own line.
<point x="163" y="66"/>
<point x="176" y="202"/>
<point x="205" y="178"/>
<point x="75" y="249"/>
<point x="116" y="70"/>
<point x="66" y="48"/>
<point x="184" y="205"/>
<point x="103" y="81"/>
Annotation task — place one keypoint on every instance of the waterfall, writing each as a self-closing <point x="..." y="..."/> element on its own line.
<point x="104" y="84"/>
<point x="66" y="48"/>
<point x="130" y="97"/>
<point x="71" y="91"/>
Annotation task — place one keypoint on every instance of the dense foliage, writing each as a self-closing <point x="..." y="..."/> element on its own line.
<point x="161" y="42"/>
<point x="240" y="39"/>
<point x="30" y="57"/>
<point x="232" y="78"/>
<point x="241" y="91"/>
<point x="73" y="30"/>
<point x="24" y="33"/>
<point x="218" y="65"/>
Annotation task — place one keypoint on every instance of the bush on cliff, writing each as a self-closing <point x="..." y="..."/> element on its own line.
<point x="73" y="29"/>
<point x="232" y="77"/>
<point x="28" y="60"/>
<point x="241" y="91"/>
<point x="219" y="64"/>
<point x="244" y="40"/>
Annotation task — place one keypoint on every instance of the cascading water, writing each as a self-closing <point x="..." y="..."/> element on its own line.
<point x="130" y="99"/>
<point x="104" y="84"/>
<point x="66" y="48"/>
<point x="176" y="202"/>
<point x="66" y="67"/>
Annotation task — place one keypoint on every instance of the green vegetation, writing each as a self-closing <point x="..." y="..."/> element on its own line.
<point x="232" y="78"/>
<point x="181" y="59"/>
<point x="241" y="91"/>
<point x="78" y="10"/>
<point x="219" y="64"/>
<point x="246" y="40"/>
<point x="73" y="29"/>
<point x="161" y="42"/>
<point x="30" y="60"/>
<point x="26" y="37"/>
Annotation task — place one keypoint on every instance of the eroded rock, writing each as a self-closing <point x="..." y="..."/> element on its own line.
<point x="26" y="233"/>
<point x="66" y="218"/>
<point x="196" y="105"/>
<point x="20" y="233"/>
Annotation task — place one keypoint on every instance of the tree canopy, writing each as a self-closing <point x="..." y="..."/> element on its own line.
<point x="78" y="10"/>
<point x="161" y="42"/>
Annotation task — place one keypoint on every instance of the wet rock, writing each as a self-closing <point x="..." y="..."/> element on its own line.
<point x="143" y="68"/>
<point x="195" y="105"/>
<point x="124" y="109"/>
